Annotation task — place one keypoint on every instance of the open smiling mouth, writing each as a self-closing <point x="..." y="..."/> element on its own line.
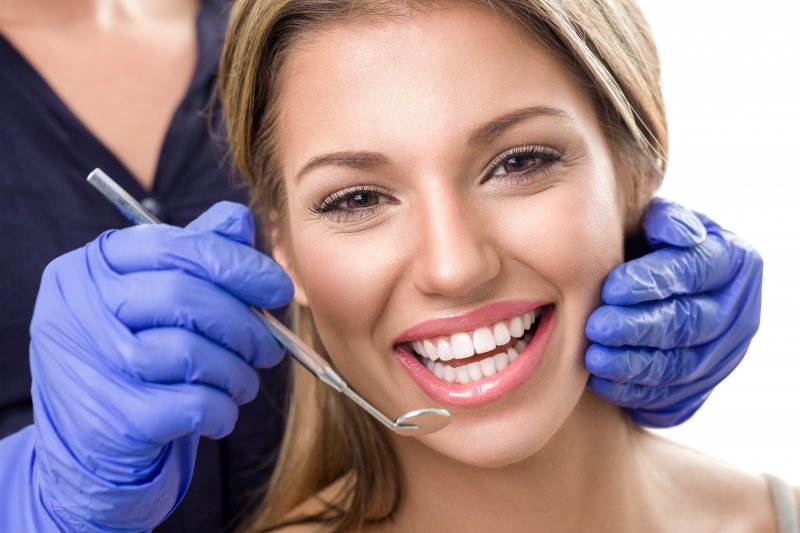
<point x="472" y="356"/>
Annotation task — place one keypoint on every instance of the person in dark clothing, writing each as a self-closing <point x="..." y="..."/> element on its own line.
<point x="47" y="209"/>
<point x="130" y="89"/>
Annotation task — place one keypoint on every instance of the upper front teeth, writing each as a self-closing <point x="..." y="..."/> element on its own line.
<point x="484" y="339"/>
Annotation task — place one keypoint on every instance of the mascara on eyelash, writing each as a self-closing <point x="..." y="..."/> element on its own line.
<point x="329" y="204"/>
<point x="545" y="152"/>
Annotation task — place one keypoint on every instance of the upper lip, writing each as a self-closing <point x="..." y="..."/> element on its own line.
<point x="483" y="316"/>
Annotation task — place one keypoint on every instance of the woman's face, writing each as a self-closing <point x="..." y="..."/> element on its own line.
<point x="447" y="176"/>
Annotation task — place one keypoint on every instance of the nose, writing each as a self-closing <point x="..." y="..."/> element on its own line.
<point x="456" y="256"/>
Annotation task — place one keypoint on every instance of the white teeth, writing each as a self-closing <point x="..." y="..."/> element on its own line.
<point x="477" y="371"/>
<point x="512" y="354"/>
<point x="445" y="350"/>
<point x="501" y="361"/>
<point x="515" y="327"/>
<point x="487" y="367"/>
<point x="501" y="334"/>
<point x="462" y="346"/>
<point x="483" y="340"/>
<point x="474" y="370"/>
<point x="430" y="350"/>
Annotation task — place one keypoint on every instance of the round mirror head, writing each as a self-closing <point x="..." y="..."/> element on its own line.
<point x="421" y="422"/>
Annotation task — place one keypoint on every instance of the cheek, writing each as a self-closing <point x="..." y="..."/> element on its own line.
<point x="347" y="280"/>
<point x="573" y="235"/>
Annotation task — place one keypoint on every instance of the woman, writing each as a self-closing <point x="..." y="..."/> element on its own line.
<point x="470" y="171"/>
<point x="132" y="359"/>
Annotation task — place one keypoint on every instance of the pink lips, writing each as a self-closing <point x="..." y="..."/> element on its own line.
<point x="488" y="389"/>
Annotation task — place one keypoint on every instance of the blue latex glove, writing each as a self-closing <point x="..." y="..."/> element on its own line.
<point x="141" y="342"/>
<point x="677" y="321"/>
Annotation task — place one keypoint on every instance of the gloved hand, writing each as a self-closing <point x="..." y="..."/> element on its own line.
<point x="141" y="342"/>
<point x="677" y="321"/>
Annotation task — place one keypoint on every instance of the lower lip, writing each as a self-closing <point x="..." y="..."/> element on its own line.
<point x="488" y="389"/>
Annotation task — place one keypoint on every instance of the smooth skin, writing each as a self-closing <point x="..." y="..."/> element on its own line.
<point x="440" y="234"/>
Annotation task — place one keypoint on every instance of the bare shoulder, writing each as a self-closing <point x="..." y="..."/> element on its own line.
<point x="706" y="494"/>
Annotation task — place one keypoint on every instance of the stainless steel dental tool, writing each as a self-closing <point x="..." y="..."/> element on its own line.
<point x="413" y="423"/>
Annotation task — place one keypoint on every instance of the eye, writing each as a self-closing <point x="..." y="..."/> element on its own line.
<point x="361" y="200"/>
<point x="523" y="161"/>
<point x="357" y="202"/>
<point x="516" y="164"/>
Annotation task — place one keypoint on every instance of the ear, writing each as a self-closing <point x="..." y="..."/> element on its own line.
<point x="281" y="256"/>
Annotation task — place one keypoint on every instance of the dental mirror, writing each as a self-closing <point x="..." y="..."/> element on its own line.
<point x="414" y="423"/>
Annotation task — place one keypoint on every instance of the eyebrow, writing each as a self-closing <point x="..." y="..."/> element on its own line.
<point x="484" y="133"/>
<point x="356" y="160"/>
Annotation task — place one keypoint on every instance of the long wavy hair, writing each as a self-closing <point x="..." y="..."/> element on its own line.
<point x="608" y="45"/>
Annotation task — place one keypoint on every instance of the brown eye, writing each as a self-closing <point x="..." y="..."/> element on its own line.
<point x="361" y="200"/>
<point x="514" y="164"/>
<point x="354" y="204"/>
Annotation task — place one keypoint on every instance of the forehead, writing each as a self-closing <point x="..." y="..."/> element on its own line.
<point x="408" y="81"/>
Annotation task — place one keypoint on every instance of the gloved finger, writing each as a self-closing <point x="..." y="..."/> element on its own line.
<point x="649" y="366"/>
<point x="670" y="224"/>
<point x="686" y="320"/>
<point x="670" y="416"/>
<point x="664" y="368"/>
<point x="145" y="300"/>
<point x="228" y="219"/>
<point x="239" y="269"/>
<point x="163" y="413"/>
<point x="176" y="355"/>
<point x="674" y="323"/>
<point x="634" y="396"/>
<point x="673" y="271"/>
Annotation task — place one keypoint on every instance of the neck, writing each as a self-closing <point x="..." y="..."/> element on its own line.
<point x="107" y="14"/>
<point x="589" y="476"/>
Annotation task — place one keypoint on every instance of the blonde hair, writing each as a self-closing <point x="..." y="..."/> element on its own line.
<point x="608" y="45"/>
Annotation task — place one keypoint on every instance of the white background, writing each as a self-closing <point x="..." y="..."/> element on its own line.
<point x="731" y="78"/>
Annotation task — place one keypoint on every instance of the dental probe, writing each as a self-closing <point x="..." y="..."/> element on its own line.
<point x="413" y="423"/>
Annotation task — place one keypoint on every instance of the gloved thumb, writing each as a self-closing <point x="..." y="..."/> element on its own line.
<point x="229" y="219"/>
<point x="667" y="223"/>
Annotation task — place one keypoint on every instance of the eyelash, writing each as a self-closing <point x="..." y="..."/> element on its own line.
<point x="330" y="206"/>
<point x="547" y="156"/>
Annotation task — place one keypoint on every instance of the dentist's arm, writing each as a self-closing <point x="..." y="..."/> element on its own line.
<point x="141" y="342"/>
<point x="676" y="321"/>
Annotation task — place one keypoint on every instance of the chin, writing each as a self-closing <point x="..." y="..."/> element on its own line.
<point x="518" y="427"/>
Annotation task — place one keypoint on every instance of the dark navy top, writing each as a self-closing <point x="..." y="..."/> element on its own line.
<point x="47" y="209"/>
